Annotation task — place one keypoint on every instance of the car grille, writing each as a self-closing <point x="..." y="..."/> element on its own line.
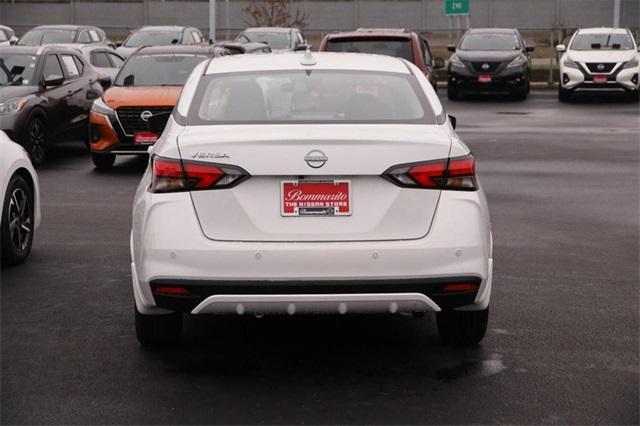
<point x="607" y="67"/>
<point x="132" y="122"/>
<point x="477" y="66"/>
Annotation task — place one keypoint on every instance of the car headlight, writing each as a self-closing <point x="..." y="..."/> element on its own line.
<point x="13" y="105"/>
<point x="571" y="64"/>
<point x="454" y="61"/>
<point x="99" y="107"/>
<point x="630" y="64"/>
<point x="517" y="62"/>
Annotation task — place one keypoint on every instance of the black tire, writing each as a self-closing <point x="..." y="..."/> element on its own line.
<point x="521" y="94"/>
<point x="564" y="95"/>
<point x="462" y="328"/>
<point x="17" y="222"/>
<point x="452" y="93"/>
<point x="35" y="140"/>
<point x="157" y="330"/>
<point x="103" y="162"/>
<point x="634" y="96"/>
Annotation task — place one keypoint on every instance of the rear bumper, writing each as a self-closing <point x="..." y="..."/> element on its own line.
<point x="431" y="294"/>
<point x="168" y="247"/>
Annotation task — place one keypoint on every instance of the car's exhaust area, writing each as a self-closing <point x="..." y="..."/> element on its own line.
<point x="293" y="304"/>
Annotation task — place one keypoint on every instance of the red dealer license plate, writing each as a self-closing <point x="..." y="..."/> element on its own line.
<point x="599" y="79"/>
<point x="144" y="138"/>
<point x="326" y="198"/>
<point x="484" y="79"/>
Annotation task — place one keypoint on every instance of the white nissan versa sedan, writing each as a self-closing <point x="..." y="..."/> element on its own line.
<point x="310" y="183"/>
<point x="20" y="202"/>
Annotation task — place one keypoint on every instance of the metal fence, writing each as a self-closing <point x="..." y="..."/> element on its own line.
<point x="324" y="15"/>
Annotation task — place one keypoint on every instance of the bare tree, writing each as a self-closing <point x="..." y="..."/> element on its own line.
<point x="274" y="13"/>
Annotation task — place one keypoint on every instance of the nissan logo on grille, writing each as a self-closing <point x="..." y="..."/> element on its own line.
<point x="485" y="66"/>
<point x="600" y="67"/>
<point x="144" y="115"/>
<point x="316" y="158"/>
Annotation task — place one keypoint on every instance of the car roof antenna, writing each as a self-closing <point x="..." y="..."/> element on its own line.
<point x="308" y="58"/>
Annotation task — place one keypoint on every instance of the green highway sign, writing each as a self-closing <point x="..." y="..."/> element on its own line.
<point x="456" y="7"/>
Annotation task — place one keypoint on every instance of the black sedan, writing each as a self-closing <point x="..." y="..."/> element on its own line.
<point x="45" y="95"/>
<point x="491" y="60"/>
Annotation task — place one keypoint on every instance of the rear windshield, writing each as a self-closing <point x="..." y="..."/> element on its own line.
<point x="17" y="70"/>
<point x="153" y="38"/>
<point x="157" y="70"/>
<point x="400" y="48"/>
<point x="39" y="37"/>
<point x="602" y="41"/>
<point x="490" y="42"/>
<point x="310" y="97"/>
<point x="277" y="40"/>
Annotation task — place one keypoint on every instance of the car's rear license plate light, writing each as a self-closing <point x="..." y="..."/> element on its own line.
<point x="484" y="79"/>
<point x="599" y="79"/>
<point x="315" y="198"/>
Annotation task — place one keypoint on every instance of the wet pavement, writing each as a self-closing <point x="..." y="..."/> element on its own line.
<point x="562" y="345"/>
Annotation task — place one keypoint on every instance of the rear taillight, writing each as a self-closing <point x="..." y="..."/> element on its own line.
<point x="170" y="175"/>
<point x="450" y="173"/>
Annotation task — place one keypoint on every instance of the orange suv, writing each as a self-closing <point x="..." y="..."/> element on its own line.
<point x="149" y="83"/>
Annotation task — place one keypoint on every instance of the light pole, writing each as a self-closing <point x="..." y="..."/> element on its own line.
<point x="616" y="13"/>
<point x="212" y="20"/>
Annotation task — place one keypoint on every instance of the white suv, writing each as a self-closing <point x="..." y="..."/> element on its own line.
<point x="310" y="183"/>
<point x="599" y="60"/>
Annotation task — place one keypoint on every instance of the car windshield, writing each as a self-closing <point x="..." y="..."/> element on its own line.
<point x="39" y="37"/>
<point x="17" y="70"/>
<point x="490" y="42"/>
<point x="400" y="48"/>
<point x="153" y="38"/>
<point x="278" y="40"/>
<point x="158" y="70"/>
<point x="602" y="41"/>
<point x="310" y="97"/>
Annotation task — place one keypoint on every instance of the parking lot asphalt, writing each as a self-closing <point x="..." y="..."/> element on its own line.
<point x="562" y="346"/>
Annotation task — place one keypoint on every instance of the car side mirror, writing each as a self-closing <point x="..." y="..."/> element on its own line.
<point x="451" y="47"/>
<point x="118" y="44"/>
<point x="530" y="47"/>
<point x="105" y="81"/>
<point x="561" y="48"/>
<point x="53" y="80"/>
<point x="453" y="120"/>
<point x="13" y="40"/>
<point x="302" y="46"/>
<point x="157" y="122"/>
<point x="438" y="63"/>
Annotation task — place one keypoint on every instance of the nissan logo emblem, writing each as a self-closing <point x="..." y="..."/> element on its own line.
<point x="600" y="67"/>
<point x="144" y="116"/>
<point x="316" y="158"/>
<point x="485" y="66"/>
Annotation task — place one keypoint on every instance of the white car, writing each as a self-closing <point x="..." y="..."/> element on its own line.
<point x="20" y="195"/>
<point x="310" y="183"/>
<point x="599" y="60"/>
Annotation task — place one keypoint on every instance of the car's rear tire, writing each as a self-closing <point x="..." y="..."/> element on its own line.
<point x="103" y="162"/>
<point x="18" y="222"/>
<point x="35" y="140"/>
<point x="462" y="328"/>
<point x="564" y="95"/>
<point x="155" y="330"/>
